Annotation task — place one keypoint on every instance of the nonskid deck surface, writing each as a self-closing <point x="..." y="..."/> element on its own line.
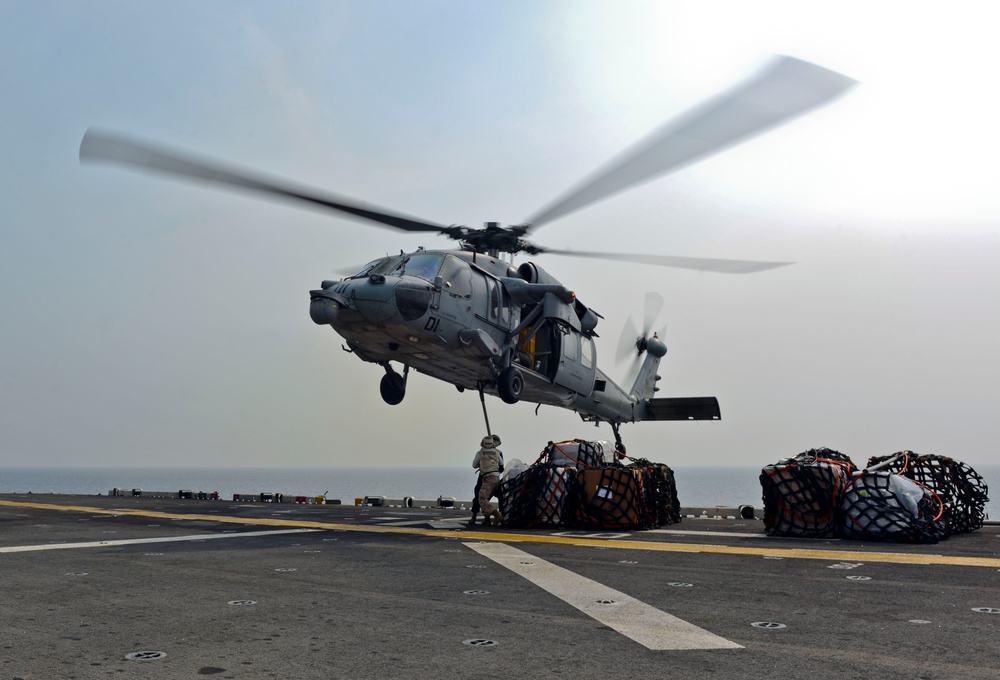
<point x="189" y="587"/>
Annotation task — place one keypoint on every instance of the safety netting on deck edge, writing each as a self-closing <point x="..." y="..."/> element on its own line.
<point x="821" y="493"/>
<point x="573" y="484"/>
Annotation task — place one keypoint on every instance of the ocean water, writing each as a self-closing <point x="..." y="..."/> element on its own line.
<point x="345" y="484"/>
<point x="696" y="486"/>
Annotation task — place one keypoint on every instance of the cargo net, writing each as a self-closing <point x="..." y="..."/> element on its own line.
<point x="608" y="498"/>
<point x="570" y="485"/>
<point x="884" y="506"/>
<point x="961" y="490"/>
<point x="903" y="497"/>
<point x="538" y="496"/>
<point x="659" y="492"/>
<point x="542" y="495"/>
<point x="802" y="494"/>
<point x="575" y="453"/>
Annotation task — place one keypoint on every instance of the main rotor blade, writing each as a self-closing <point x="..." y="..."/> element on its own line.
<point x="785" y="88"/>
<point x="706" y="264"/>
<point x="112" y="148"/>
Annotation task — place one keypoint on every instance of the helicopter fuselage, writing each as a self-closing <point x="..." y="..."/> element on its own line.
<point x="464" y="318"/>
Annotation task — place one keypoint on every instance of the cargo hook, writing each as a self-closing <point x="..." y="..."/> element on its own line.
<point x="619" y="446"/>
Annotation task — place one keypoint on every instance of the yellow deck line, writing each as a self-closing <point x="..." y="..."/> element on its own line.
<point x="791" y="553"/>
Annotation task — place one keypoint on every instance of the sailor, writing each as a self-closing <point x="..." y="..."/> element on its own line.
<point x="475" y="499"/>
<point x="479" y="485"/>
<point x="489" y="461"/>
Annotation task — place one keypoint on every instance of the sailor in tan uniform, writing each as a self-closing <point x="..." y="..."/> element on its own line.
<point x="489" y="461"/>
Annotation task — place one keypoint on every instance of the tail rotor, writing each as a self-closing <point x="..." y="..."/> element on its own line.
<point x="632" y="340"/>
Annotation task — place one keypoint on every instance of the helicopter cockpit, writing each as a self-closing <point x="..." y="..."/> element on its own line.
<point x="422" y="265"/>
<point x="383" y="265"/>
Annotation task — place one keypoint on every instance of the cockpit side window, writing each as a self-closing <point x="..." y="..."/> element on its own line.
<point x="587" y="352"/>
<point x="571" y="345"/>
<point x="494" y="292"/>
<point x="506" y="309"/>
<point x="457" y="276"/>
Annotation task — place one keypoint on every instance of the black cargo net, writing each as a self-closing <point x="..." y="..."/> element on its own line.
<point x="904" y="497"/>
<point x="961" y="490"/>
<point x="802" y="494"/>
<point x="574" y="453"/>
<point x="659" y="492"/>
<point x="538" y="497"/>
<point x="607" y="498"/>
<point x="884" y="506"/>
<point x="570" y="485"/>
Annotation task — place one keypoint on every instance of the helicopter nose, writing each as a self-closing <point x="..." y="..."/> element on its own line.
<point x="327" y="308"/>
<point x="322" y="310"/>
<point x="374" y="298"/>
<point x="412" y="299"/>
<point x="360" y="301"/>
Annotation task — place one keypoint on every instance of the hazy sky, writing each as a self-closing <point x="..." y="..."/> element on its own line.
<point x="151" y="322"/>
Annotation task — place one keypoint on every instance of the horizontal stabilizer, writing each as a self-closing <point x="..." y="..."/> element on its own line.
<point x="683" y="408"/>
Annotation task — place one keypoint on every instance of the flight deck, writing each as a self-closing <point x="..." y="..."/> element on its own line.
<point x="101" y="586"/>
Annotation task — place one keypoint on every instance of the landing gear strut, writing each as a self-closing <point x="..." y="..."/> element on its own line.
<point x="393" y="385"/>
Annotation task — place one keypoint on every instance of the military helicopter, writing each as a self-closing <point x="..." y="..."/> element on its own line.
<point x="469" y="317"/>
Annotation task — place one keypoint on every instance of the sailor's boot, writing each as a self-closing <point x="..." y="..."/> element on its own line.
<point x="497" y="518"/>
<point x="472" y="522"/>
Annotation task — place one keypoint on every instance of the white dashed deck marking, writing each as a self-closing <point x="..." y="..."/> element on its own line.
<point x="637" y="620"/>
<point x="139" y="541"/>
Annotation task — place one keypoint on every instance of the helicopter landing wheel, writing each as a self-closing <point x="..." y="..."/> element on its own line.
<point x="393" y="388"/>
<point x="510" y="385"/>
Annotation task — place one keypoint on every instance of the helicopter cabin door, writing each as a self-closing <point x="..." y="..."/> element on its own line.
<point x="490" y="301"/>
<point x="492" y="304"/>
<point x="576" y="361"/>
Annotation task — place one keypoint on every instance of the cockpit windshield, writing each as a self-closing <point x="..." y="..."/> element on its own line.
<point x="421" y="265"/>
<point x="380" y="266"/>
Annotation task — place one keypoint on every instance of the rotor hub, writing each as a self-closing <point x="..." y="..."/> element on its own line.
<point x="494" y="238"/>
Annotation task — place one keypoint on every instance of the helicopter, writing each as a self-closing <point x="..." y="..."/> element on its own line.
<point x="469" y="317"/>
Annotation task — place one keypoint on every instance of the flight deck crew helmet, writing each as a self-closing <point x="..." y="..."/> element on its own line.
<point x="496" y="440"/>
<point x="487" y="443"/>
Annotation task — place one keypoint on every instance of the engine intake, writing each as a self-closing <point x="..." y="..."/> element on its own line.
<point x="532" y="273"/>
